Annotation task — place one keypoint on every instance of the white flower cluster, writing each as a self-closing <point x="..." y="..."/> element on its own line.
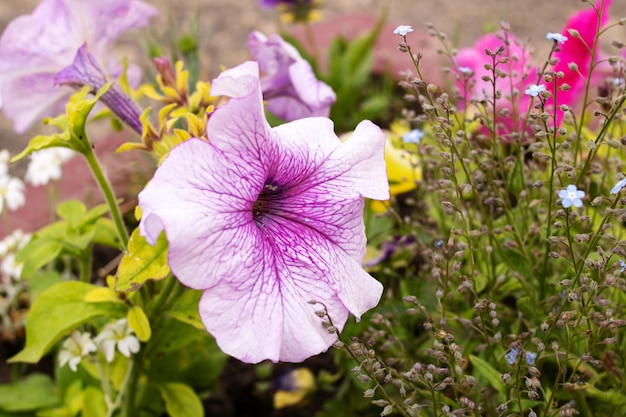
<point x="11" y="188"/>
<point x="79" y="345"/>
<point x="45" y="165"/>
<point x="10" y="276"/>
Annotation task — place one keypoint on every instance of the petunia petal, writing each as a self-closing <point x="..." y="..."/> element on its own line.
<point x="263" y="313"/>
<point x="33" y="97"/>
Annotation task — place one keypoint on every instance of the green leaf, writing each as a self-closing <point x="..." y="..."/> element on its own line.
<point x="611" y="397"/>
<point x="489" y="373"/>
<point x="181" y="400"/>
<point x="39" y="283"/>
<point x="55" y="313"/>
<point x="37" y="253"/>
<point x="72" y="123"/>
<point x="93" y="403"/>
<point x="139" y="323"/>
<point x="185" y="309"/>
<point x="106" y="233"/>
<point x="73" y="211"/>
<point x="35" y="392"/>
<point x="142" y="262"/>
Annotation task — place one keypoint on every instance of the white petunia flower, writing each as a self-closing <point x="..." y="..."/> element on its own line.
<point x="75" y="348"/>
<point x="119" y="334"/>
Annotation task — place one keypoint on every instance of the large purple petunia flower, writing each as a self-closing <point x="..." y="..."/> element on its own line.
<point x="266" y="219"/>
<point x="34" y="47"/>
<point x="288" y="82"/>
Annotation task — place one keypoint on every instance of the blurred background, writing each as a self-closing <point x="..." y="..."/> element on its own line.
<point x="223" y="26"/>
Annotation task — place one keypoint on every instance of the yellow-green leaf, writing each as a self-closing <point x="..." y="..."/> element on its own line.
<point x="57" y="311"/>
<point x="102" y="295"/>
<point x="138" y="321"/>
<point x="142" y="262"/>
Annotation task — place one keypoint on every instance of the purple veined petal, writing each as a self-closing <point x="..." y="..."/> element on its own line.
<point x="33" y="97"/>
<point x="236" y="82"/>
<point x="209" y="201"/>
<point x="316" y="94"/>
<point x="264" y="312"/>
<point x="362" y="153"/>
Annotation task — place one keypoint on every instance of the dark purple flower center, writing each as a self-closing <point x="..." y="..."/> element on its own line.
<point x="266" y="203"/>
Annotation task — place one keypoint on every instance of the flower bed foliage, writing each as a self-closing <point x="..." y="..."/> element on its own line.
<point x="474" y="234"/>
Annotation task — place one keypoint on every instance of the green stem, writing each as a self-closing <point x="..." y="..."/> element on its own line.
<point x="85" y="265"/>
<point x="107" y="191"/>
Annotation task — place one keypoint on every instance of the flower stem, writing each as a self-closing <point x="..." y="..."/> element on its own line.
<point x="107" y="191"/>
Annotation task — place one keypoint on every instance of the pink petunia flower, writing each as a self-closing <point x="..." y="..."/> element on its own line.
<point x="289" y="85"/>
<point x="34" y="47"/>
<point x="265" y="220"/>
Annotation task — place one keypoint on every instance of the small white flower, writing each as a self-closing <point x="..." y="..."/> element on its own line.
<point x="45" y="165"/>
<point x="14" y="242"/>
<point x="117" y="333"/>
<point x="10" y="267"/>
<point x="556" y="37"/>
<point x="534" y="90"/>
<point x="5" y="157"/>
<point x="11" y="193"/>
<point x="402" y="30"/>
<point x="618" y="187"/>
<point x="414" y="136"/>
<point x="571" y="196"/>
<point x="465" y="70"/>
<point x="75" y="348"/>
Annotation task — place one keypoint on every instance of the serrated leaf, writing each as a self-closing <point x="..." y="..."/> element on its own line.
<point x="138" y="321"/>
<point x="55" y="313"/>
<point x="142" y="262"/>
<point x="35" y="392"/>
<point x="180" y="400"/>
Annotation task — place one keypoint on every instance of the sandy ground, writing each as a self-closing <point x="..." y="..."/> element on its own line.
<point x="224" y="25"/>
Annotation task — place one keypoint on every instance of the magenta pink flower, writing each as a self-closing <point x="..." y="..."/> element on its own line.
<point x="266" y="219"/>
<point x="288" y="82"/>
<point x="577" y="50"/>
<point x="34" y="47"/>
<point x="518" y="69"/>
